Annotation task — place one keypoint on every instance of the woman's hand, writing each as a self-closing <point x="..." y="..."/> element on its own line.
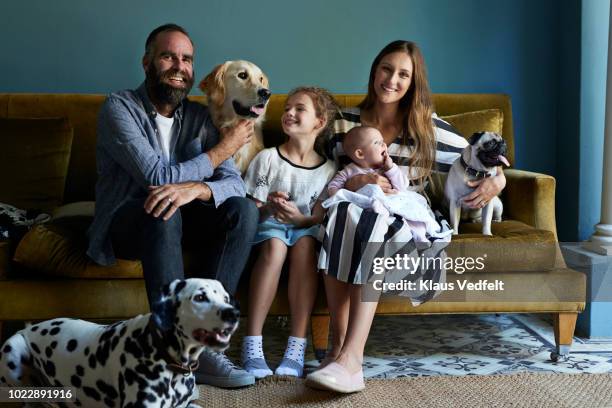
<point x="360" y="180"/>
<point x="486" y="189"/>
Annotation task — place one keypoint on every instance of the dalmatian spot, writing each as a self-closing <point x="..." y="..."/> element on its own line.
<point x="114" y="343"/>
<point x="54" y="331"/>
<point x="86" y="351"/>
<point x="102" y="353"/>
<point x="72" y="345"/>
<point x="107" y="334"/>
<point x="161" y="389"/>
<point x="149" y="374"/>
<point x="48" y="351"/>
<point x="122" y="359"/>
<point x="132" y="348"/>
<point x="76" y="381"/>
<point x="7" y="349"/>
<point x="35" y="348"/>
<point x="57" y="323"/>
<point x="49" y="368"/>
<point x="80" y="371"/>
<point x="123" y="331"/>
<point x="25" y="360"/>
<point x="11" y="365"/>
<point x="91" y="393"/>
<point x="53" y="344"/>
<point x="145" y="396"/>
<point x="107" y="389"/>
<point x="34" y="328"/>
<point x="92" y="361"/>
<point x="44" y="332"/>
<point x="2" y="379"/>
<point x="109" y="402"/>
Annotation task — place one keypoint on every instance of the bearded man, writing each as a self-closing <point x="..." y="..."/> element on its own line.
<point x="166" y="178"/>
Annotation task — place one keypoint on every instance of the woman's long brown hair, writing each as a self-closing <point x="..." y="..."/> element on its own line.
<point x="417" y="107"/>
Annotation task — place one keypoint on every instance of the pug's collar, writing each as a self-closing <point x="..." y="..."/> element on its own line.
<point x="473" y="172"/>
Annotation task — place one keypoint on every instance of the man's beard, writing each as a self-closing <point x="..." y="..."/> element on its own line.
<point x="163" y="92"/>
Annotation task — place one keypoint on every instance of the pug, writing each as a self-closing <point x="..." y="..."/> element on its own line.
<point x="478" y="160"/>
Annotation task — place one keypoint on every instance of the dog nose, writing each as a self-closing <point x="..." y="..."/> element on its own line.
<point x="230" y="315"/>
<point x="264" y="93"/>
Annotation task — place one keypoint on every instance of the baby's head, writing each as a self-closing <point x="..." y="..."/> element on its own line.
<point x="365" y="146"/>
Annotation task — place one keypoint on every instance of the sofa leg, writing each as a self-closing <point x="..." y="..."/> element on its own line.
<point x="564" y="325"/>
<point x="320" y="335"/>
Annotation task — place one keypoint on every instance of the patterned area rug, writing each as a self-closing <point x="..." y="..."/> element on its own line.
<point x="528" y="390"/>
<point x="415" y="346"/>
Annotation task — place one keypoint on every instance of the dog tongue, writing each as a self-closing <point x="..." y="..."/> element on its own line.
<point x="503" y="160"/>
<point x="256" y="110"/>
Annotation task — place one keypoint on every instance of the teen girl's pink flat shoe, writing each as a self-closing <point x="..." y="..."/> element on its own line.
<point x="335" y="377"/>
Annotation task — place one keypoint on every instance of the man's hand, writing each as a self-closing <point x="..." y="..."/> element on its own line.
<point x="360" y="180"/>
<point x="232" y="139"/>
<point x="486" y="189"/>
<point x="170" y="197"/>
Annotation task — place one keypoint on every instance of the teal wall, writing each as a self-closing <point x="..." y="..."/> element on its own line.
<point x="529" y="49"/>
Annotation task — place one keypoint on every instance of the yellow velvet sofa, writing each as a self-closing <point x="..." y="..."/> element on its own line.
<point x="51" y="165"/>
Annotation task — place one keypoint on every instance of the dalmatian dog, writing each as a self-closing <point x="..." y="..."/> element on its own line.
<point x="146" y="361"/>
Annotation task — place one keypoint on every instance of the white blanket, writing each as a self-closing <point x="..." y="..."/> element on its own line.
<point x="409" y="205"/>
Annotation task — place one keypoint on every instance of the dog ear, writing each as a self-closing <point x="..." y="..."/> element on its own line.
<point x="164" y="311"/>
<point x="266" y="82"/>
<point x="213" y="85"/>
<point x="475" y="138"/>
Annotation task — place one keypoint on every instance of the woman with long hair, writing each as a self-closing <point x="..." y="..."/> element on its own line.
<point x="399" y="105"/>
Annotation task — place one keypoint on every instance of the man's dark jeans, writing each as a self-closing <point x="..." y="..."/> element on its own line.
<point x="219" y="237"/>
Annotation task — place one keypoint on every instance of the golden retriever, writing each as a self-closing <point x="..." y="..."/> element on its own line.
<point x="238" y="90"/>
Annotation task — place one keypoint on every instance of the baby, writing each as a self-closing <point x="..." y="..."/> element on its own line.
<point x="368" y="151"/>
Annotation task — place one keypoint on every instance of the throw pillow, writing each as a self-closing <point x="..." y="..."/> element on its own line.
<point x="34" y="156"/>
<point x="488" y="120"/>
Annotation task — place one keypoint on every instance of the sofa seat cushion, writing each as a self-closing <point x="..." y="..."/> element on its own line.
<point x="59" y="247"/>
<point x="514" y="246"/>
<point x="34" y="157"/>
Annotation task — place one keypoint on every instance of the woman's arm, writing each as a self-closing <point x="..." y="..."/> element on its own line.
<point x="486" y="189"/>
<point x="360" y="180"/>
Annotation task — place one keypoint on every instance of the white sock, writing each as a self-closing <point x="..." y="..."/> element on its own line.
<point x="293" y="361"/>
<point x="253" y="359"/>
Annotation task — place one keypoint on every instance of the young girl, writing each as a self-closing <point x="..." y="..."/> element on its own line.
<point x="286" y="182"/>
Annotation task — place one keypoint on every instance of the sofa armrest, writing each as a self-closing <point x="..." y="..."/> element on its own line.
<point x="530" y="198"/>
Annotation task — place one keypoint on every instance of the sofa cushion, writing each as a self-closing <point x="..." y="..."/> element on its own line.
<point x="40" y="149"/>
<point x="513" y="247"/>
<point x="58" y="248"/>
<point x="488" y="120"/>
